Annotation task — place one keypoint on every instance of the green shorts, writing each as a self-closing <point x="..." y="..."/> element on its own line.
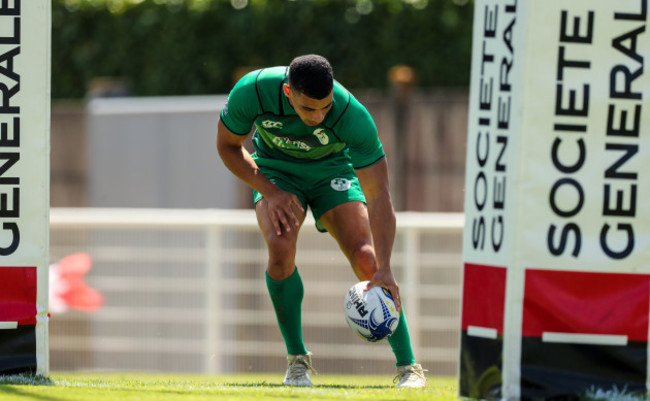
<point x="319" y="184"/>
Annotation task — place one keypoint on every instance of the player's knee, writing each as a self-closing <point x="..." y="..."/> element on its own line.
<point x="280" y="246"/>
<point x="363" y="258"/>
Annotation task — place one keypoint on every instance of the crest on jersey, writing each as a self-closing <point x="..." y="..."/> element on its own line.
<point x="340" y="184"/>
<point x="322" y="136"/>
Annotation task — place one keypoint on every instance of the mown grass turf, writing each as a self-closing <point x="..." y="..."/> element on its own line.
<point x="182" y="387"/>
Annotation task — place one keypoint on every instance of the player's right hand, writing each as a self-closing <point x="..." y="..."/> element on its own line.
<point x="280" y="208"/>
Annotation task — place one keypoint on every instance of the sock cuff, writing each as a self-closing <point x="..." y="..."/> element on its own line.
<point x="294" y="277"/>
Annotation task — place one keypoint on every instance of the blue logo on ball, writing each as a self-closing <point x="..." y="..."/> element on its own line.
<point x="378" y="330"/>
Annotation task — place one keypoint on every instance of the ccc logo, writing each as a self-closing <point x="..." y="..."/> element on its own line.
<point x="271" y="124"/>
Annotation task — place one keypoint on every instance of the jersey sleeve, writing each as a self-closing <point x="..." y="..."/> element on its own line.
<point x="362" y="137"/>
<point x="242" y="106"/>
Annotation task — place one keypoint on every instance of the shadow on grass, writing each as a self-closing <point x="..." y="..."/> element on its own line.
<point x="8" y="383"/>
<point x="353" y="387"/>
<point x="316" y="386"/>
<point x="26" y="395"/>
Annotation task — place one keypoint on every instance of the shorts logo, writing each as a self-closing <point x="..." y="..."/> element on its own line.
<point x="340" y="184"/>
<point x="322" y="136"/>
<point x="271" y="124"/>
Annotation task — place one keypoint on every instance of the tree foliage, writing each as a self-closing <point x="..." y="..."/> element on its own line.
<point x="183" y="47"/>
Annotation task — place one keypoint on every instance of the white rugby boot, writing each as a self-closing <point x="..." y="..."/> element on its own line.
<point x="410" y="376"/>
<point x="299" y="370"/>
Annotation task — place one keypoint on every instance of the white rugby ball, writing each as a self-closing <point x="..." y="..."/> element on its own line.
<point x="371" y="314"/>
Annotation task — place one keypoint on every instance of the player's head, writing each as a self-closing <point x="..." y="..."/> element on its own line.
<point x="311" y="75"/>
<point x="310" y="88"/>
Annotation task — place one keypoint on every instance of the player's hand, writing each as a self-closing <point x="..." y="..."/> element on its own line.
<point x="280" y="207"/>
<point x="384" y="278"/>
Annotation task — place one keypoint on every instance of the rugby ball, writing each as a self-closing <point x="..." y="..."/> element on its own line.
<point x="371" y="314"/>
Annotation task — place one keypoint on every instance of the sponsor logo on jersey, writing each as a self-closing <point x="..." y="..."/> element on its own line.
<point x="271" y="124"/>
<point x="287" y="143"/>
<point x="340" y="184"/>
<point x="322" y="136"/>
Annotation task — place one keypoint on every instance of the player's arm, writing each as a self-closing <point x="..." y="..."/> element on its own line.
<point x="368" y="157"/>
<point x="375" y="186"/>
<point x="238" y="160"/>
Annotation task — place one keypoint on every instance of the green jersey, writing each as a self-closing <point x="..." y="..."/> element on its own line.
<point x="258" y="99"/>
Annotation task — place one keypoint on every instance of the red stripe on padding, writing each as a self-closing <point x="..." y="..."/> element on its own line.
<point x="586" y="303"/>
<point x="484" y="295"/>
<point x="18" y="295"/>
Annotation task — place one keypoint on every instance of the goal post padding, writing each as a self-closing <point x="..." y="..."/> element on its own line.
<point x="556" y="244"/>
<point x="24" y="185"/>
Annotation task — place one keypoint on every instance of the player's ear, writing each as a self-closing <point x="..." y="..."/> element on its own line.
<point x="287" y="90"/>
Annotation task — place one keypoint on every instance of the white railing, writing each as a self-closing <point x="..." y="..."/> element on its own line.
<point x="185" y="291"/>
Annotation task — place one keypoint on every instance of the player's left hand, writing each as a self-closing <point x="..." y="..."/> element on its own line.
<point x="384" y="278"/>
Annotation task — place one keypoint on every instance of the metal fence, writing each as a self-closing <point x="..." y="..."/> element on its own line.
<point x="185" y="292"/>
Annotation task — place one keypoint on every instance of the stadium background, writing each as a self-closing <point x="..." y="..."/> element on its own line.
<point x="106" y="155"/>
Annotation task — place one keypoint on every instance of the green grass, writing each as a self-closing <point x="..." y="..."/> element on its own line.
<point x="182" y="387"/>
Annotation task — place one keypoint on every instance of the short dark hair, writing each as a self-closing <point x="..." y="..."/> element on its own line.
<point x="311" y="75"/>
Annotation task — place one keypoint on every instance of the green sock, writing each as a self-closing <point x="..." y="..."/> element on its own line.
<point x="400" y="342"/>
<point x="286" y="296"/>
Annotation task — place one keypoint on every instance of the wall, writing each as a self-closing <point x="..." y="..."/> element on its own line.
<point x="130" y="160"/>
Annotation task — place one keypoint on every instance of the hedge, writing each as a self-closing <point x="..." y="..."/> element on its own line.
<point x="191" y="47"/>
